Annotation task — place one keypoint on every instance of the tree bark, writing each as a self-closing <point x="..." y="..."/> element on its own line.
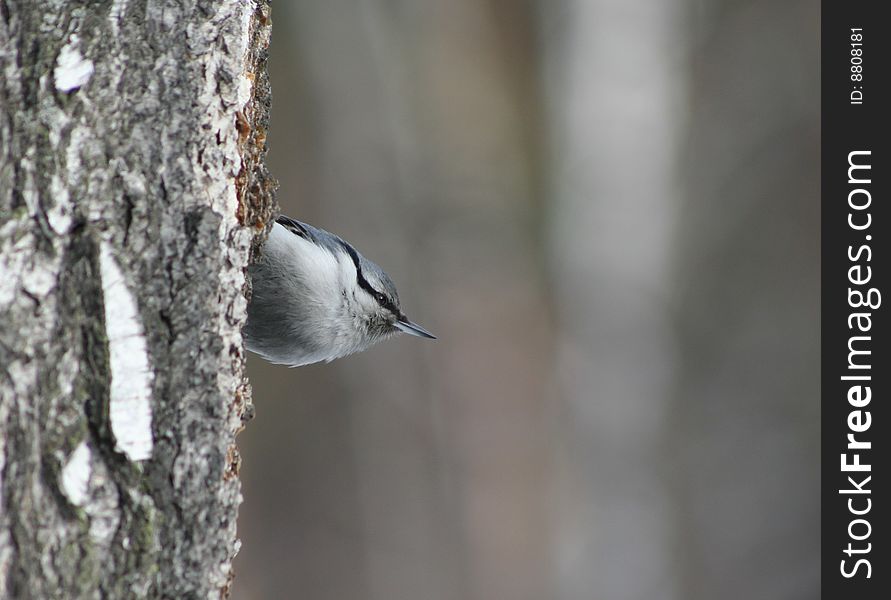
<point x="132" y="188"/>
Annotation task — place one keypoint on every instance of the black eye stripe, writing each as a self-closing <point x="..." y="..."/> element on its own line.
<point x="363" y="283"/>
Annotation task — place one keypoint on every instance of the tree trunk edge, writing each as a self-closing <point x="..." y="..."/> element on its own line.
<point x="257" y="208"/>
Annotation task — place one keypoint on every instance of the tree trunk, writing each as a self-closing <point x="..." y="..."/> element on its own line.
<point x="132" y="187"/>
<point x="610" y="227"/>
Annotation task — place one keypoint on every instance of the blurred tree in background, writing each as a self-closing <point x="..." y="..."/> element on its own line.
<point x="608" y="213"/>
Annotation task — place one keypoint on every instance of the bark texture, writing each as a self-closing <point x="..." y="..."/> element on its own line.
<point x="132" y="188"/>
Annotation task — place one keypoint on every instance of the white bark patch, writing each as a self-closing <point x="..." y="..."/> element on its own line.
<point x="72" y="69"/>
<point x="76" y="475"/>
<point x="59" y="215"/>
<point x="130" y="407"/>
<point x="245" y="83"/>
<point x="117" y="12"/>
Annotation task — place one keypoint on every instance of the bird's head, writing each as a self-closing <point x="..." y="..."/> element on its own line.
<point x="375" y="302"/>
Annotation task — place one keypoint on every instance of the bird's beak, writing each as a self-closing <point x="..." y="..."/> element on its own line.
<point x="410" y="328"/>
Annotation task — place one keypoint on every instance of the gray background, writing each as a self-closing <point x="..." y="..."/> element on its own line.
<point x="608" y="210"/>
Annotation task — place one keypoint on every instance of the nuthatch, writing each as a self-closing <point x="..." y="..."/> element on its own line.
<point x="315" y="298"/>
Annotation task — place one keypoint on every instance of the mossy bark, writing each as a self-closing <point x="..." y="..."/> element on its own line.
<point x="132" y="144"/>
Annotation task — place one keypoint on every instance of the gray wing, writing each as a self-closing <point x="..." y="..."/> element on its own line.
<point x="317" y="236"/>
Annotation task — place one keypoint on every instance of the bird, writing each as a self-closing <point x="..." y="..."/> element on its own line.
<point x="316" y="298"/>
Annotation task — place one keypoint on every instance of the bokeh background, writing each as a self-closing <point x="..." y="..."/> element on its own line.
<point x="608" y="210"/>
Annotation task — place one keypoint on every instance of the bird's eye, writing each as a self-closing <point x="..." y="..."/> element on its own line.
<point x="380" y="297"/>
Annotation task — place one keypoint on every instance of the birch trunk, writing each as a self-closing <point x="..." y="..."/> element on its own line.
<point x="614" y="138"/>
<point x="132" y="187"/>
